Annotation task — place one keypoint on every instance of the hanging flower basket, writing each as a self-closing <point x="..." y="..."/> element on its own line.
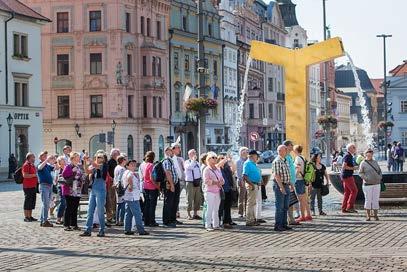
<point x="200" y="103"/>
<point x="328" y="120"/>
<point x="385" y="125"/>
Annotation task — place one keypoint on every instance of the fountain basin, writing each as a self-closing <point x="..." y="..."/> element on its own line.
<point x="396" y="186"/>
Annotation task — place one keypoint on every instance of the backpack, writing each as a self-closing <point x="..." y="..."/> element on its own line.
<point x="309" y="171"/>
<point x="158" y="173"/>
<point x="120" y="190"/>
<point x="18" y="175"/>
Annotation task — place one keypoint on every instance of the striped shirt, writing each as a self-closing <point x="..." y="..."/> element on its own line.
<point x="280" y="168"/>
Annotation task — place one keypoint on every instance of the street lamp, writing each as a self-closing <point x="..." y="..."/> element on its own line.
<point x="9" y="123"/>
<point x="77" y="130"/>
<point x="113" y="130"/>
<point x="385" y="36"/>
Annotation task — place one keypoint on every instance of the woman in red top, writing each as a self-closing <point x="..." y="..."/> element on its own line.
<point x="30" y="181"/>
<point x="151" y="190"/>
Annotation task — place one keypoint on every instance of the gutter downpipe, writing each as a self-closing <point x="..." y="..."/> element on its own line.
<point x="6" y="52"/>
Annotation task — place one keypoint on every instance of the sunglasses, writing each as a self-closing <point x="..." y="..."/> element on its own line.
<point x="213" y="157"/>
<point x="100" y="158"/>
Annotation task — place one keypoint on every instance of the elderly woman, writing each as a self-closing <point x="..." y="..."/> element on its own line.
<point x="213" y="181"/>
<point x="371" y="174"/>
<point x="97" y="197"/>
<point x="71" y="190"/>
<point x="62" y="202"/>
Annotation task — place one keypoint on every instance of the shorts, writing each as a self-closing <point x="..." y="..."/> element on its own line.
<point x="30" y="196"/>
<point x="299" y="187"/>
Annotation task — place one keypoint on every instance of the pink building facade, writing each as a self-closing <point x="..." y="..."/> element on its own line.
<point x="105" y="75"/>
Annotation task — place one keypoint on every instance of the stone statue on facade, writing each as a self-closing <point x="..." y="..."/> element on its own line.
<point x="119" y="71"/>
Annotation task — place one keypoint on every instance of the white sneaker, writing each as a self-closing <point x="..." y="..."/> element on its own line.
<point x="210" y="229"/>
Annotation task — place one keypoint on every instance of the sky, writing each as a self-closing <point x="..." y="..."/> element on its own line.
<point x="358" y="22"/>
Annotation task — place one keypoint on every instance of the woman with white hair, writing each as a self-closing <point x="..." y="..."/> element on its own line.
<point x="61" y="162"/>
<point x="213" y="181"/>
<point x="371" y="174"/>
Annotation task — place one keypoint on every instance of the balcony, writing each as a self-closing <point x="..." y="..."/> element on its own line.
<point x="152" y="82"/>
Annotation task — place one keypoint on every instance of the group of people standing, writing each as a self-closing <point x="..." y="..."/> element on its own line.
<point x="395" y="157"/>
<point x="124" y="192"/>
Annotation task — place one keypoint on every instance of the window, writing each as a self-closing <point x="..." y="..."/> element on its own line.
<point x="271" y="111"/>
<point x="210" y="30"/>
<point x="158" y="29"/>
<point x="63" y="106"/>
<point x="159" y="66"/>
<point x="130" y="147"/>
<point x="147" y="144"/>
<point x="404" y="138"/>
<point x="63" y="65"/>
<point x="154" y="66"/>
<point x="176" y="60"/>
<point x="129" y="65"/>
<point x="155" y="107"/>
<point x="62" y="22"/>
<point x="128" y="22"/>
<point x="95" y="63"/>
<point x="186" y="63"/>
<point x="20" y="45"/>
<point x="148" y="26"/>
<point x="96" y="106"/>
<point x="145" y="106"/>
<point x="184" y="23"/>
<point x="261" y="110"/>
<point x="271" y="84"/>
<point x="160" y="109"/>
<point x="95" y="21"/>
<point x="215" y="68"/>
<point x="130" y="100"/>
<point x="296" y="43"/>
<point x="177" y="101"/>
<point x="251" y="111"/>
<point x="403" y="106"/>
<point x="279" y="113"/>
<point x="142" y="25"/>
<point x="144" y="65"/>
<point x="21" y="94"/>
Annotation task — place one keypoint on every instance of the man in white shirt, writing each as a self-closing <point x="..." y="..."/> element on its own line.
<point x="193" y="184"/>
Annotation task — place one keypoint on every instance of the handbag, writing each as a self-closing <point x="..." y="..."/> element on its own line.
<point x="325" y="190"/>
<point x="222" y="194"/>
<point x="196" y="182"/>
<point x="293" y="199"/>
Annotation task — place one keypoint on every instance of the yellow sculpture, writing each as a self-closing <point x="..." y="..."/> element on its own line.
<point x="295" y="63"/>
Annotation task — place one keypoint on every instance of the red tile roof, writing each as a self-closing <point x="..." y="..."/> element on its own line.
<point x="20" y="9"/>
<point x="400" y="70"/>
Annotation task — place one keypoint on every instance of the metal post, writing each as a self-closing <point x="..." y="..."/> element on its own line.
<point x="384" y="36"/>
<point x="9" y="123"/>
<point x="201" y="78"/>
<point x="326" y="95"/>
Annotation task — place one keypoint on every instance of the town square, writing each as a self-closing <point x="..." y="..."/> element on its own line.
<point x="203" y="135"/>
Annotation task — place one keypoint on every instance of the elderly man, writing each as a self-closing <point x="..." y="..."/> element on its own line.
<point x="243" y="153"/>
<point x="172" y="185"/>
<point x="281" y="188"/>
<point x="179" y="167"/>
<point x="110" y="189"/>
<point x="252" y="178"/>
<point x="291" y="166"/>
<point x="348" y="182"/>
<point x="193" y="184"/>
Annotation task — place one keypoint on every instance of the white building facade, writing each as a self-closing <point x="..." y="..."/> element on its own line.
<point x="20" y="79"/>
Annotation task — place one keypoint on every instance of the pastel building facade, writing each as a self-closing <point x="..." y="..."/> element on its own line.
<point x="20" y="81"/>
<point x="104" y="75"/>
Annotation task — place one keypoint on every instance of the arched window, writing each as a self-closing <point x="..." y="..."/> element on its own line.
<point x="161" y="147"/>
<point x="147" y="144"/>
<point x="95" y="145"/>
<point x="130" y="147"/>
<point x="61" y="144"/>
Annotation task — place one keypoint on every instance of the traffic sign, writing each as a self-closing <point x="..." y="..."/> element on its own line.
<point x="254" y="136"/>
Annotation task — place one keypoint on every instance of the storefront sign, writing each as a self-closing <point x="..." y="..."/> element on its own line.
<point x="21" y="116"/>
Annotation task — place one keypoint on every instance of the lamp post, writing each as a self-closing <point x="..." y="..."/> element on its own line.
<point x="113" y="130"/>
<point x="384" y="37"/>
<point x="9" y="123"/>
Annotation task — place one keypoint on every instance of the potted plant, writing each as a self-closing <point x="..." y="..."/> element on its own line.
<point x="385" y="125"/>
<point x="328" y="121"/>
<point x="198" y="104"/>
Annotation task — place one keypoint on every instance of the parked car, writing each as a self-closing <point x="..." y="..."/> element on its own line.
<point x="267" y="156"/>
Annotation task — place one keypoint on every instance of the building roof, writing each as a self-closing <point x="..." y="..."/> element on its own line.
<point x="288" y="12"/>
<point x="14" y="6"/>
<point x="400" y="70"/>
<point x="344" y="78"/>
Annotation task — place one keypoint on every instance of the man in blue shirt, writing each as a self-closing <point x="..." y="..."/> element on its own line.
<point x="252" y="178"/>
<point x="44" y="172"/>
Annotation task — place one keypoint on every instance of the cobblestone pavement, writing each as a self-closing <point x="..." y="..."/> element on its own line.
<point x="331" y="243"/>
